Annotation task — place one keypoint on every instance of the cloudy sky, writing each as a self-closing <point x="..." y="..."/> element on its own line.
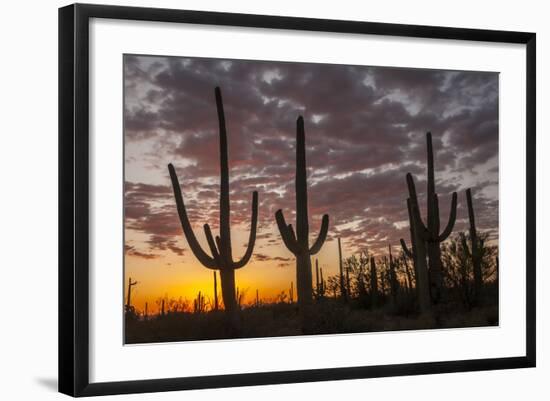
<point x="365" y="129"/>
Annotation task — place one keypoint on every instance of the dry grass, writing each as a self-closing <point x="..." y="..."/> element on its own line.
<point x="281" y="319"/>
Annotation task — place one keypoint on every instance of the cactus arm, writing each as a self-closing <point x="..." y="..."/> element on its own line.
<point x="321" y="237"/>
<point x="411" y="229"/>
<point x="292" y="234"/>
<point x="419" y="224"/>
<point x="252" y="238"/>
<point x="451" y="223"/>
<point x="219" y="244"/>
<point x="406" y="250"/>
<point x="287" y="234"/>
<point x="412" y="188"/>
<point x="196" y="248"/>
<point x="212" y="244"/>
<point x="413" y="200"/>
<point x="415" y="210"/>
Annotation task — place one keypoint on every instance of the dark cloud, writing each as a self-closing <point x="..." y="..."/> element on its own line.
<point x="365" y="129"/>
<point x="132" y="251"/>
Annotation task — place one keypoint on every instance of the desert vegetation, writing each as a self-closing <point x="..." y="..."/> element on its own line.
<point x="437" y="278"/>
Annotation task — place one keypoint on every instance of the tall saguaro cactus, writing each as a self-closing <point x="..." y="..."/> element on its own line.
<point x="475" y="251"/>
<point x="220" y="248"/>
<point x="430" y="233"/>
<point x="298" y="243"/>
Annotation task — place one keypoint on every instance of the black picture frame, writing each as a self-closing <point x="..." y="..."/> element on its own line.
<point x="74" y="198"/>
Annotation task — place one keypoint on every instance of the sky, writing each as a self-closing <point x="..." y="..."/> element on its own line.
<point x="365" y="129"/>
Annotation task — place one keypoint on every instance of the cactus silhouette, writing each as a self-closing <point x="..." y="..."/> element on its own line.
<point x="199" y="304"/>
<point x="373" y="283"/>
<point x="408" y="274"/>
<point x="319" y="281"/>
<point x="430" y="233"/>
<point x="220" y="248"/>
<point x="475" y="249"/>
<point x="418" y="251"/>
<point x="317" y="286"/>
<point x="298" y="243"/>
<point x="216" y="304"/>
<point x="343" y="286"/>
<point x="129" y="298"/>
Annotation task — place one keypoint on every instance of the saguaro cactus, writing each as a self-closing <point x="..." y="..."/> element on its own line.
<point x="199" y="304"/>
<point x="298" y="243"/>
<point x="319" y="281"/>
<point x="476" y="247"/>
<point x="343" y="287"/>
<point x="129" y="298"/>
<point x="220" y="248"/>
<point x="430" y="233"/>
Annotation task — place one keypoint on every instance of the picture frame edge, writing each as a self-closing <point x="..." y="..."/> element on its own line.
<point x="73" y="191"/>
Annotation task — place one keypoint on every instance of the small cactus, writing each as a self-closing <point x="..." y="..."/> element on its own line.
<point x="319" y="285"/>
<point x="199" y="306"/>
<point x="129" y="298"/>
<point x="343" y="287"/>
<point x="394" y="283"/>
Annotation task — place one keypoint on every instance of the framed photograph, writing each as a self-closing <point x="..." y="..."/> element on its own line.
<point x="297" y="199"/>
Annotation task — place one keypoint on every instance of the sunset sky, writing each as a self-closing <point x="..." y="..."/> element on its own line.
<point x="365" y="129"/>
